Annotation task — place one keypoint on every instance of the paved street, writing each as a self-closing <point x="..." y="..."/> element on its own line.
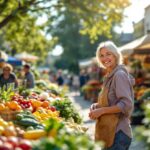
<point x="83" y="108"/>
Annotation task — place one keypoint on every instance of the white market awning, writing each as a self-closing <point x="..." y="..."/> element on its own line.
<point x="26" y="57"/>
<point x="3" y="56"/>
<point x="138" y="44"/>
<point x="86" y="62"/>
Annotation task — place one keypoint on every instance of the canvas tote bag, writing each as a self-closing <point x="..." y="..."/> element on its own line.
<point x="106" y="124"/>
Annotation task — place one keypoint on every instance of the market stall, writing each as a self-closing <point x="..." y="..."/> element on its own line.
<point x="137" y="54"/>
<point x="26" y="57"/>
<point x="4" y="58"/>
<point x="92" y="86"/>
<point x="138" y="46"/>
<point x="14" y="61"/>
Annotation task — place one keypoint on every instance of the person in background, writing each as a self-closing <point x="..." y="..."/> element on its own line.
<point x="28" y="77"/>
<point x="87" y="77"/>
<point x="115" y="100"/>
<point x="70" y="80"/>
<point x="82" y="78"/>
<point x="66" y="79"/>
<point x="60" y="80"/>
<point x="76" y="83"/>
<point x="8" y="77"/>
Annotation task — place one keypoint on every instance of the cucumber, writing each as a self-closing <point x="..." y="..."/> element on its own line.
<point x="39" y="127"/>
<point x="30" y="128"/>
<point x="19" y="116"/>
<point x="28" y="116"/>
<point x="27" y="122"/>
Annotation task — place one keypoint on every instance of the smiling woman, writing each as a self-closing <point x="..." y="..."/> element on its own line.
<point x="113" y="110"/>
<point x="108" y="51"/>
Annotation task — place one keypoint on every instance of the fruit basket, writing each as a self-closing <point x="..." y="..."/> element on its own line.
<point x="8" y="115"/>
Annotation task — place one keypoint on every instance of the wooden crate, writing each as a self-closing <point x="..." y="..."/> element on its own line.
<point x="8" y="115"/>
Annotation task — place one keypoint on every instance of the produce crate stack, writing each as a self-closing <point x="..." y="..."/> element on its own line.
<point x="8" y="115"/>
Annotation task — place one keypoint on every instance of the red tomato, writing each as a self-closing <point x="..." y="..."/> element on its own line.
<point x="13" y="141"/>
<point x="6" y="146"/>
<point x="52" y="108"/>
<point x="25" y="145"/>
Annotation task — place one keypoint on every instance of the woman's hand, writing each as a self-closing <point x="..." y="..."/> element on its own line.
<point x="94" y="114"/>
<point x="94" y="106"/>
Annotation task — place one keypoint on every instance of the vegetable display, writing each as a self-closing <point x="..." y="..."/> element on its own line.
<point x="45" y="120"/>
<point x="67" y="110"/>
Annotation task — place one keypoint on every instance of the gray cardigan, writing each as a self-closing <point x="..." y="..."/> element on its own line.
<point x="121" y="94"/>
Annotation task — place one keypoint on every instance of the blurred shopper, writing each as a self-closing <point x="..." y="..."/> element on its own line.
<point x="28" y="77"/>
<point x="76" y="83"/>
<point x="87" y="76"/>
<point x="115" y="102"/>
<point x="66" y="79"/>
<point x="60" y="80"/>
<point x="8" y="78"/>
<point x="70" y="80"/>
<point x="52" y="77"/>
<point x="82" y="78"/>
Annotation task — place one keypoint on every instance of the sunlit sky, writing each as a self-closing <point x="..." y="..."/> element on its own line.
<point x="58" y="50"/>
<point x="134" y="13"/>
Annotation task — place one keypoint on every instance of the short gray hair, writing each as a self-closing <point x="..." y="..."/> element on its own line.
<point x="112" y="48"/>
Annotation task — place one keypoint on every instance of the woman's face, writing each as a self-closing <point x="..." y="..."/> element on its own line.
<point x="6" y="71"/>
<point x="107" y="58"/>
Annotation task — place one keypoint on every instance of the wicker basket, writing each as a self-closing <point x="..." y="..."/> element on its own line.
<point x="9" y="115"/>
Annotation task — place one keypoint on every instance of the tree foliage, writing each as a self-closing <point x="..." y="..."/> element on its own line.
<point x="19" y="30"/>
<point x="75" y="45"/>
<point x="96" y="16"/>
<point x="24" y="35"/>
